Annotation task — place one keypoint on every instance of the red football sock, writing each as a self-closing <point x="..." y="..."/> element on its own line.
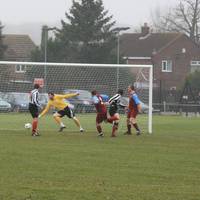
<point x="34" y="125"/>
<point x="114" y="128"/>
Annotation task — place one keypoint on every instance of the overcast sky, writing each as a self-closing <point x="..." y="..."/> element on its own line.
<point x="127" y="12"/>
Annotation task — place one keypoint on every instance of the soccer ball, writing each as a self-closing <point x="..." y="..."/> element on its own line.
<point x="27" y="125"/>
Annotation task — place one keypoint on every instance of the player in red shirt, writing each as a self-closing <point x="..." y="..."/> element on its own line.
<point x="133" y="108"/>
<point x="101" y="111"/>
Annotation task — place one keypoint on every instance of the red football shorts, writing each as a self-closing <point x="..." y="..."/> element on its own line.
<point x="132" y="114"/>
<point x="101" y="117"/>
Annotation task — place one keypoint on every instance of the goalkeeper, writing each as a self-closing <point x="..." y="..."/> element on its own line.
<point x="58" y="102"/>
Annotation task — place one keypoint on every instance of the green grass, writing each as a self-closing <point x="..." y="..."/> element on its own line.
<point x="161" y="166"/>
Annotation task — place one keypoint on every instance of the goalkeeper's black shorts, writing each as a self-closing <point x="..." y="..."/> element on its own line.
<point x="66" y="111"/>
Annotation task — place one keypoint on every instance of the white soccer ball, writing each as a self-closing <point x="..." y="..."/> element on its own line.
<point x="27" y="125"/>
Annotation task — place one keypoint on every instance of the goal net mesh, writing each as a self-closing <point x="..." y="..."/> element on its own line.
<point x="17" y="79"/>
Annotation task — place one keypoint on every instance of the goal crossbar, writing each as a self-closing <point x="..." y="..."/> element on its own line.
<point x="72" y="64"/>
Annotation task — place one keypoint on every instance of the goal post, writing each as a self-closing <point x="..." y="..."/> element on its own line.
<point x="59" y="77"/>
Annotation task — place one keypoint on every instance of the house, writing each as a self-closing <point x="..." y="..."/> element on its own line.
<point x="18" y="48"/>
<point x="173" y="55"/>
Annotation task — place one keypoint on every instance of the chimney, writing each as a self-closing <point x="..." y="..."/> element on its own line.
<point x="145" y="30"/>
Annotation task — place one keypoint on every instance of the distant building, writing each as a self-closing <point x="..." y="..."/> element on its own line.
<point x="18" y="48"/>
<point x="173" y="55"/>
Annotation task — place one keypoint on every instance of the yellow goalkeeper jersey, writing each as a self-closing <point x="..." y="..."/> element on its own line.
<point x="57" y="102"/>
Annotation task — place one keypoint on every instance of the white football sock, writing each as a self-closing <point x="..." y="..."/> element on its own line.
<point x="61" y="124"/>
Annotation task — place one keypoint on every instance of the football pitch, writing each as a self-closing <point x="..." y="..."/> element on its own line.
<point x="54" y="166"/>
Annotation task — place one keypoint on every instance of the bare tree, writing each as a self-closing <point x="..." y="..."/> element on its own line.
<point x="185" y="17"/>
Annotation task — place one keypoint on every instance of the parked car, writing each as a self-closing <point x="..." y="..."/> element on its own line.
<point x="83" y="102"/>
<point x="4" y="106"/>
<point x="19" y="101"/>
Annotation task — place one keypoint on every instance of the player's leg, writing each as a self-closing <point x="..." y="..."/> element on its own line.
<point x="128" y="124"/>
<point x="99" y="129"/>
<point x="111" y="117"/>
<point x="78" y="124"/>
<point x="99" y="120"/>
<point x="134" y="124"/>
<point x="115" y="125"/>
<point x="34" y="113"/>
<point x="70" y="114"/>
<point x="57" y="117"/>
<point x="35" y="126"/>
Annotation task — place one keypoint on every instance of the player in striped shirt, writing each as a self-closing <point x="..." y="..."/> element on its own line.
<point x="34" y="106"/>
<point x="114" y="118"/>
<point x="58" y="102"/>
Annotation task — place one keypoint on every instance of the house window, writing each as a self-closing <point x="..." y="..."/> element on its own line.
<point x="195" y="66"/>
<point x="166" y="66"/>
<point x="20" y="68"/>
<point x="195" y="62"/>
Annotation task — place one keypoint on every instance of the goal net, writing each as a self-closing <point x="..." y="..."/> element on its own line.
<point x="17" y="79"/>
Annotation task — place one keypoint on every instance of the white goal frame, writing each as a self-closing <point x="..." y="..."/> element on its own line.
<point x="150" y="67"/>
